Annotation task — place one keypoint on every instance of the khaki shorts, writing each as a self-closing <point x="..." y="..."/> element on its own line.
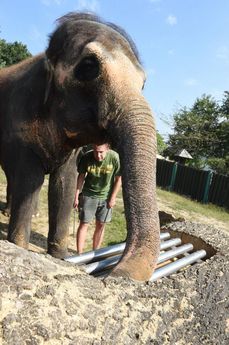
<point x="90" y="208"/>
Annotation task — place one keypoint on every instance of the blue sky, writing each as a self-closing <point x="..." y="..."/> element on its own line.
<point x="183" y="44"/>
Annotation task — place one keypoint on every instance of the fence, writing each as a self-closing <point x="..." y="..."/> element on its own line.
<point x="200" y="185"/>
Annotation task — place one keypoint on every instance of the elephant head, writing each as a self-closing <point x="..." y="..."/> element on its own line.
<point x="98" y="81"/>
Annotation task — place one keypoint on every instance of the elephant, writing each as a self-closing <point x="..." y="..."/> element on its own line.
<point x="85" y="88"/>
<point x="7" y="207"/>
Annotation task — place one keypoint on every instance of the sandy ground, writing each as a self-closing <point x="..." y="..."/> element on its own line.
<point x="52" y="302"/>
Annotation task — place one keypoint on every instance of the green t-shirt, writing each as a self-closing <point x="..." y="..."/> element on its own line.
<point x="100" y="175"/>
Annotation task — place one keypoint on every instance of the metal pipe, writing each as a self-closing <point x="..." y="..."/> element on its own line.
<point x="110" y="262"/>
<point x="177" y="265"/>
<point x="164" y="236"/>
<point x="101" y="265"/>
<point x="170" y="243"/>
<point x="167" y="269"/>
<point x="96" y="254"/>
<point x="104" y="252"/>
<point x="185" y="248"/>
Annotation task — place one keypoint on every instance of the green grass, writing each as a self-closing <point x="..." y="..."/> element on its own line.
<point x="192" y="210"/>
<point x="116" y="230"/>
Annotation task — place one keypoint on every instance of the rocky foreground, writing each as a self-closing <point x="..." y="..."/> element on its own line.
<point x="47" y="301"/>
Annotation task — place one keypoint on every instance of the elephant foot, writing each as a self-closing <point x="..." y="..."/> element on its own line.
<point x="19" y="240"/>
<point x="56" y="251"/>
<point x="134" y="268"/>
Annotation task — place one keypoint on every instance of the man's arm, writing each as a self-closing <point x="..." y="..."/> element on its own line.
<point x="115" y="190"/>
<point x="79" y="186"/>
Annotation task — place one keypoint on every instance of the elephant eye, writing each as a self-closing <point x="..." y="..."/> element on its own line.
<point x="87" y="69"/>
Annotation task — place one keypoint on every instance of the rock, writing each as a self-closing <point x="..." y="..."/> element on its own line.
<point x="48" y="301"/>
<point x="166" y="218"/>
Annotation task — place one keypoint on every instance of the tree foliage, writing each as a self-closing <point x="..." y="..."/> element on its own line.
<point x="11" y="53"/>
<point x="161" y="145"/>
<point x="203" y="130"/>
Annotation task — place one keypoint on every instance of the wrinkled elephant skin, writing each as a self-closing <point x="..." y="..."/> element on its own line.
<point x="85" y="88"/>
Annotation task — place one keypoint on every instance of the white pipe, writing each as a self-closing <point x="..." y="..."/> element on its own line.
<point x="110" y="262"/>
<point x="175" y="252"/>
<point x="103" y="252"/>
<point x="170" y="243"/>
<point x="177" y="265"/>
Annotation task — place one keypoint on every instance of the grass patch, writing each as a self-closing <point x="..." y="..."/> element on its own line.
<point x="116" y="230"/>
<point x="192" y="210"/>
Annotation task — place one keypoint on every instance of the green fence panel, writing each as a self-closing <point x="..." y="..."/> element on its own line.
<point x="173" y="177"/>
<point x="207" y="187"/>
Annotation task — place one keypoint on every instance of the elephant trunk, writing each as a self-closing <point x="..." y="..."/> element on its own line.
<point x="135" y="134"/>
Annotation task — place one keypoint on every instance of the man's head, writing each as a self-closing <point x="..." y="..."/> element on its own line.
<point x="100" y="151"/>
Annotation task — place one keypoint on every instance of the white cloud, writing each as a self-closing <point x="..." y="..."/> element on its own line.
<point x="89" y="5"/>
<point x="171" y="20"/>
<point x="217" y="94"/>
<point x="156" y="5"/>
<point x="35" y="34"/>
<point x="150" y="71"/>
<point x="52" y="2"/>
<point x="191" y="82"/>
<point x="223" y="53"/>
<point x="171" y="52"/>
<point x="37" y="40"/>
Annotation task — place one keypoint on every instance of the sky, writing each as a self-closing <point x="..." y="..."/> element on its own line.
<point x="183" y="44"/>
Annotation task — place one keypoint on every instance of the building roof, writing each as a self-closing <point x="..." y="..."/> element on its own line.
<point x="184" y="154"/>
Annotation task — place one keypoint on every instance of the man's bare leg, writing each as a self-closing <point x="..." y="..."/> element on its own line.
<point x="98" y="234"/>
<point x="81" y="236"/>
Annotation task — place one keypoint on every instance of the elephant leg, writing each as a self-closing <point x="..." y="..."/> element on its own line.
<point x="26" y="183"/>
<point x="36" y="206"/>
<point x="62" y="185"/>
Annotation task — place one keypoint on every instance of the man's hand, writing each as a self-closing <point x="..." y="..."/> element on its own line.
<point x="111" y="203"/>
<point x="117" y="184"/>
<point x="76" y="203"/>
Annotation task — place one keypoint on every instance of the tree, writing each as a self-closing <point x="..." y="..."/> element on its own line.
<point x="11" y="53"/>
<point x="203" y="131"/>
<point x="220" y="162"/>
<point x="161" y="145"/>
<point x="225" y="106"/>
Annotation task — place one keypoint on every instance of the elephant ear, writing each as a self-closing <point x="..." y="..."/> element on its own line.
<point x="49" y="78"/>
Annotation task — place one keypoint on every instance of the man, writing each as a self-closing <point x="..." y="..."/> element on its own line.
<point x="99" y="179"/>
